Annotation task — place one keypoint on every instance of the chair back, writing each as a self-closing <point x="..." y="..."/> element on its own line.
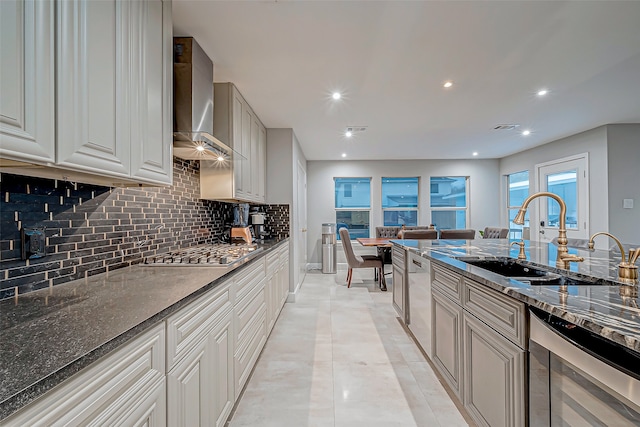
<point x="495" y="233"/>
<point x="464" y="234"/>
<point x="387" y="231"/>
<point x="348" y="250"/>
<point x="420" y="234"/>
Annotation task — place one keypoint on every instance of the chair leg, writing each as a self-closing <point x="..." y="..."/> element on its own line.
<point x="349" y="277"/>
<point x="383" y="283"/>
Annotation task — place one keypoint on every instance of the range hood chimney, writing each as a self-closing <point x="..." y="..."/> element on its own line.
<point x="193" y="104"/>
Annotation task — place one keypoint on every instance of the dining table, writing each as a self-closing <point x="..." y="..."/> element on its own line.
<point x="375" y="241"/>
<point x="381" y="242"/>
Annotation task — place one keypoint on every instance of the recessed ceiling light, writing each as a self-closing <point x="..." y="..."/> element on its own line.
<point x="344" y="154"/>
<point x="348" y="134"/>
<point x="220" y="159"/>
<point x="542" y="92"/>
<point x="526" y="132"/>
<point x="200" y="147"/>
<point x="475" y="153"/>
<point x="448" y="84"/>
<point x="336" y="95"/>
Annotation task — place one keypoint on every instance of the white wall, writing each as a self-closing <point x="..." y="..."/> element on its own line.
<point x="593" y="142"/>
<point x="623" y="142"/>
<point x="283" y="156"/>
<point x="484" y="192"/>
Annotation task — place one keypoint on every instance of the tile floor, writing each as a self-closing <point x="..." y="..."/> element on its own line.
<point x="339" y="357"/>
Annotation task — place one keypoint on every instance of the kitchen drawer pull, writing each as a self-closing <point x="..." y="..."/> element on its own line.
<point x="419" y="264"/>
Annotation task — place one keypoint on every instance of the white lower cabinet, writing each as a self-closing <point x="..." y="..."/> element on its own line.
<point x="200" y="354"/>
<point x="126" y="388"/>
<point x="494" y="376"/>
<point x="479" y="347"/>
<point x="447" y="342"/>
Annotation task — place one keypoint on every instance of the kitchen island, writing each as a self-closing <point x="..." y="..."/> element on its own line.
<point x="49" y="336"/>
<point x="479" y="328"/>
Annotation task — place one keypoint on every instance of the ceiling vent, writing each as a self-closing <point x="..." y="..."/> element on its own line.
<point x="356" y="129"/>
<point x="505" y="127"/>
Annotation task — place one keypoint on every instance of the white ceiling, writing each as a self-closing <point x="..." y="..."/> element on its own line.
<point x="390" y="59"/>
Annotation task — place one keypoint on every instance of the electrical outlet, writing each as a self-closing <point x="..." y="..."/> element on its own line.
<point x="627" y="203"/>
<point x="33" y="242"/>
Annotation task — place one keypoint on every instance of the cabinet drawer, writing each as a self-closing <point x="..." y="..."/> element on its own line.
<point x="397" y="257"/>
<point x="447" y="282"/>
<point x="249" y="349"/>
<point x="502" y="313"/>
<point x="272" y="260"/>
<point x="256" y="302"/>
<point x="186" y="327"/>
<point x="249" y="278"/>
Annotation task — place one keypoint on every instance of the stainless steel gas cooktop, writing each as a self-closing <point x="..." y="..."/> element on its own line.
<point x="219" y="254"/>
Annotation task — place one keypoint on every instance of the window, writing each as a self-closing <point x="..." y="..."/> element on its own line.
<point x="449" y="202"/>
<point x="353" y="205"/>
<point x="565" y="185"/>
<point x="400" y="201"/>
<point x="517" y="191"/>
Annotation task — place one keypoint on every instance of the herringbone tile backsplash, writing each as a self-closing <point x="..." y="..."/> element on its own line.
<point x="92" y="229"/>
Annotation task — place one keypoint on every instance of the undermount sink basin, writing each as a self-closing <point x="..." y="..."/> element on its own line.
<point x="507" y="267"/>
<point x="535" y="276"/>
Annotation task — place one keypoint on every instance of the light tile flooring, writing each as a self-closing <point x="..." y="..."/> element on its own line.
<point x="339" y="357"/>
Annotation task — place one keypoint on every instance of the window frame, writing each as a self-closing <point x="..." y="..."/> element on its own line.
<point x="351" y="209"/>
<point x="415" y="209"/>
<point x="466" y="208"/>
<point x="515" y="233"/>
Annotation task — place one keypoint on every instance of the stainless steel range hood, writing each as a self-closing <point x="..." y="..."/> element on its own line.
<point x="193" y="104"/>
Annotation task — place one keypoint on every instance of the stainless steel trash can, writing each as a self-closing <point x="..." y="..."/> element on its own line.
<point x="329" y="248"/>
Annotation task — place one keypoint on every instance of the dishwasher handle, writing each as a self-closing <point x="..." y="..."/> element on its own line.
<point x="620" y="379"/>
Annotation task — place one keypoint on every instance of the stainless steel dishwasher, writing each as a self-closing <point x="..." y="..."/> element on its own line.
<point x="578" y="378"/>
<point x="419" y="296"/>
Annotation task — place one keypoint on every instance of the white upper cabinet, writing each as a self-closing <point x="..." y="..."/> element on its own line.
<point x="151" y="132"/>
<point x="113" y="88"/>
<point x="93" y="73"/>
<point x="27" y="126"/>
<point x="238" y="126"/>
<point x="106" y="117"/>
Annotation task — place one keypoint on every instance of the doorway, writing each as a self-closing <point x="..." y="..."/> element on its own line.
<point x="569" y="179"/>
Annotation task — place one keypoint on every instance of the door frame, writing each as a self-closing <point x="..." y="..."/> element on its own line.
<point x="583" y="192"/>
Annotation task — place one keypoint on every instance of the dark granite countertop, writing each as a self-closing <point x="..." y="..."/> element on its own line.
<point x="610" y="311"/>
<point x="48" y="335"/>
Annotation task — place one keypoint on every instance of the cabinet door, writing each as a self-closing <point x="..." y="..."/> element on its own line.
<point x="151" y="91"/>
<point x="201" y="385"/>
<point x="93" y="86"/>
<point x="447" y="342"/>
<point x="27" y="109"/>
<point x="261" y="167"/>
<point x="494" y="372"/>
<point x="223" y="380"/>
<point x="238" y="163"/>
<point x="398" y="291"/>
<point x="189" y="387"/>
<point x="255" y="147"/>
<point x="247" y="123"/>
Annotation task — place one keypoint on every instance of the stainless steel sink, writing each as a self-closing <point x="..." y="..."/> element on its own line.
<point x="527" y="273"/>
